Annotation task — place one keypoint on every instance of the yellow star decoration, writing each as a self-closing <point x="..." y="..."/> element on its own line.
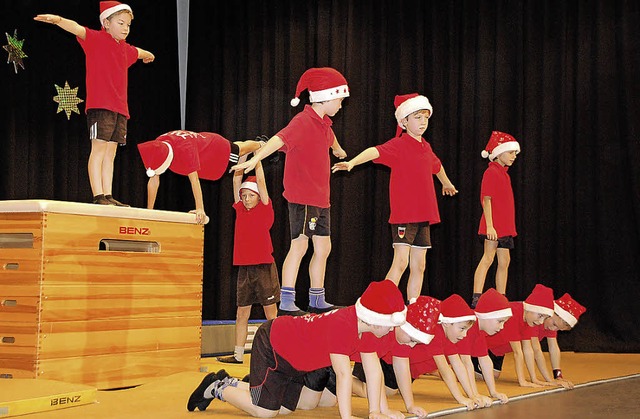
<point x="67" y="99"/>
<point x="14" y="48"/>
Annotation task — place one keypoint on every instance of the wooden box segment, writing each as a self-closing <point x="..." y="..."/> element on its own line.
<point x="74" y="311"/>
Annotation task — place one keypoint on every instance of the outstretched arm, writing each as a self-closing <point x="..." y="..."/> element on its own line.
<point x="274" y="144"/>
<point x="368" y="154"/>
<point x="145" y="55"/>
<point x="66" y="24"/>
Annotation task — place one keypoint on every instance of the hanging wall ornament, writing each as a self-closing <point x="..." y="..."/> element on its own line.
<point x="14" y="48"/>
<point x="67" y="99"/>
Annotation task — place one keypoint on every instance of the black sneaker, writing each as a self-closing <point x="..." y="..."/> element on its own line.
<point x="115" y="201"/>
<point x="245" y="378"/>
<point x="231" y="359"/>
<point x="317" y="310"/>
<point x="294" y="313"/>
<point x="197" y="398"/>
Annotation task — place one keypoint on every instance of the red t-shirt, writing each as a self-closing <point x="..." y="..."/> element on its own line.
<point x="421" y="356"/>
<point x="252" y="240"/>
<point x="307" y="341"/>
<point x="474" y="344"/>
<point x="307" y="168"/>
<point x="107" y="62"/>
<point x="496" y="183"/>
<point x="412" y="194"/>
<point x="386" y="347"/>
<point x="204" y="152"/>
<point x="515" y="329"/>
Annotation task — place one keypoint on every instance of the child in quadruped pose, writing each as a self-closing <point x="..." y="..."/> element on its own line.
<point x="413" y="164"/>
<point x="307" y="170"/>
<point x="497" y="224"/>
<point x="253" y="254"/>
<point x="108" y="58"/>
<point x="286" y="348"/>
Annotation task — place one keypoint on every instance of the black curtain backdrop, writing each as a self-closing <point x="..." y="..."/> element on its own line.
<point x="560" y="76"/>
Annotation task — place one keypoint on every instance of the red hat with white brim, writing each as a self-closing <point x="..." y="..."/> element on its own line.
<point x="454" y="309"/>
<point x="382" y="304"/>
<point x="493" y="305"/>
<point x="323" y="84"/>
<point x="107" y="8"/>
<point x="422" y="318"/>
<point x="568" y="309"/>
<point x="540" y="300"/>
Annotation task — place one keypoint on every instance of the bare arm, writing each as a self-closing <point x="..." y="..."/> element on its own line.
<point x="368" y="154"/>
<point x="555" y="355"/>
<point x="152" y="190"/>
<point x="449" y="378"/>
<point x="66" y="24"/>
<point x="342" y="368"/>
<point x="488" y="217"/>
<point x="274" y="144"/>
<point x="197" y="196"/>
<point x="262" y="184"/>
<point x="518" y="357"/>
<point x="338" y="151"/>
<point x="145" y="55"/>
<point x="403" y="378"/>
<point x="487" y="373"/>
<point x="373" y="373"/>
<point x="447" y="186"/>
<point x="541" y="362"/>
<point x="237" y="181"/>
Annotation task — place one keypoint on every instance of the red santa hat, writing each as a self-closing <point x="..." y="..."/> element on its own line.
<point x="323" y="84"/>
<point x="540" y="300"/>
<point x="107" y="8"/>
<point x="156" y="156"/>
<point x="251" y="184"/>
<point x="382" y="304"/>
<point x="493" y="305"/>
<point x="408" y="104"/>
<point x="422" y="318"/>
<point x="568" y="309"/>
<point x="454" y="309"/>
<point x="499" y="142"/>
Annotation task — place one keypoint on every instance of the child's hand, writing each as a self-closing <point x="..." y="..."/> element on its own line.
<point x="468" y="403"/>
<point x="343" y="165"/>
<point x="449" y="189"/>
<point x="247" y="166"/>
<point x="340" y="153"/>
<point x="502" y="398"/>
<point x="394" y="414"/>
<point x="149" y="58"/>
<point x="201" y="217"/>
<point x="492" y="234"/>
<point x="564" y="383"/>
<point x="417" y="411"/>
<point x="482" y="400"/>
<point x="53" y="19"/>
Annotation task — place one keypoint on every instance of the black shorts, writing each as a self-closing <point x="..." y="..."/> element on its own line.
<point x="505" y="242"/>
<point x="412" y="234"/>
<point x="273" y="382"/>
<point x="234" y="155"/>
<point x="309" y="221"/>
<point x="107" y="126"/>
<point x="320" y="379"/>
<point x="258" y="284"/>
<point x="387" y="372"/>
<point x="497" y="361"/>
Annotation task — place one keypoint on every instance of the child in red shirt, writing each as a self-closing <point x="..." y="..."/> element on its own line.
<point x="197" y="155"/>
<point x="286" y="348"/>
<point x="413" y="164"/>
<point x="108" y="58"/>
<point x="497" y="224"/>
<point x="253" y="254"/>
<point x="307" y="170"/>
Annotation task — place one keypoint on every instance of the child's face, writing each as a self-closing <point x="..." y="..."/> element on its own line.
<point x="492" y="326"/>
<point x="416" y="123"/>
<point x="555" y="323"/>
<point x="534" y="319"/>
<point x="249" y="198"/>
<point x="331" y="107"/>
<point x="403" y="338"/>
<point x="507" y="158"/>
<point x="455" y="332"/>
<point x="118" y="25"/>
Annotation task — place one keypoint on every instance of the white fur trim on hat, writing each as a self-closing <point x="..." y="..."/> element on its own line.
<point x="538" y="309"/>
<point x="378" y="319"/>
<point x="252" y="186"/>
<point x="498" y="314"/>
<point x="111" y="10"/>
<point x="165" y="165"/>
<point x="412" y="105"/>
<point x="326" y="94"/>
<point x="565" y="315"/>
<point x="508" y="146"/>
<point x="444" y="319"/>
<point x="418" y="335"/>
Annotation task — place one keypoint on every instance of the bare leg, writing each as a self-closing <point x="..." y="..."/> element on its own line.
<point x="309" y="399"/>
<point x="318" y="263"/>
<point x="241" y="399"/>
<point x="418" y="263"/>
<point x="94" y="167"/>
<point x="242" y="324"/>
<point x="292" y="261"/>
<point x="502" y="272"/>
<point x="400" y="262"/>
<point x="270" y="311"/>
<point x="107" y="167"/>
<point x="480" y="274"/>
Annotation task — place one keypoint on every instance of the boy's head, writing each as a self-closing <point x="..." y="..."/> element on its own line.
<point x="538" y="305"/>
<point x="110" y="8"/>
<point x="422" y="318"/>
<point x="156" y="156"/>
<point x="492" y="311"/>
<point x="249" y="192"/>
<point x="407" y="105"/>
<point x="382" y="305"/>
<point x="500" y="142"/>
<point x="456" y="317"/>
<point x="324" y="84"/>
<point x="566" y="312"/>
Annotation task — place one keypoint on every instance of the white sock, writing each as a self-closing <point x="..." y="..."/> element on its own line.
<point x="238" y="352"/>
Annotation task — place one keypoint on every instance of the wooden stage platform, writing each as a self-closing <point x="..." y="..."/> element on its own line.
<point x="166" y="397"/>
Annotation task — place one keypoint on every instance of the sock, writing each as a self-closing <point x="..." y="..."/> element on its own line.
<point x="316" y="298"/>
<point x="224" y="383"/>
<point x="474" y="299"/>
<point x="238" y="352"/>
<point x="288" y="299"/>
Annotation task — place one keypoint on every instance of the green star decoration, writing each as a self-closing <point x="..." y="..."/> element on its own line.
<point x="67" y="99"/>
<point x="14" y="48"/>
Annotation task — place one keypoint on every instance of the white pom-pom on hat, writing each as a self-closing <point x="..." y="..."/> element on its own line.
<point x="484" y="154"/>
<point x="295" y="101"/>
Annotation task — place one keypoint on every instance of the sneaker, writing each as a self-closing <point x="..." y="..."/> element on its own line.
<point x="197" y="398"/>
<point x="246" y="378"/>
<point x="115" y="201"/>
<point x="231" y="359"/>
<point x="220" y="385"/>
<point x="317" y="310"/>
<point x="294" y="313"/>
<point x="101" y="200"/>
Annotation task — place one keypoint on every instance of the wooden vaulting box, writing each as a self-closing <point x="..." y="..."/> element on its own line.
<point x="98" y="295"/>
